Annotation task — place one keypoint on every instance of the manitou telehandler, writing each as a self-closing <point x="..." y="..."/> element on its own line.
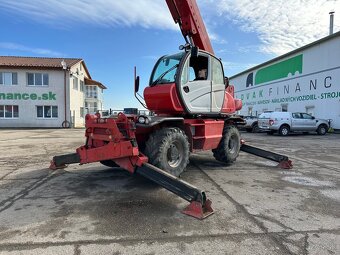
<point x="194" y="109"/>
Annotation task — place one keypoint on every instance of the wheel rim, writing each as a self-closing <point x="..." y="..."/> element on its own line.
<point x="284" y="131"/>
<point x="175" y="154"/>
<point x="323" y="130"/>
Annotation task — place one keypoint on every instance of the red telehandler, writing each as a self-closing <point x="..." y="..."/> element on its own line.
<point x="194" y="109"/>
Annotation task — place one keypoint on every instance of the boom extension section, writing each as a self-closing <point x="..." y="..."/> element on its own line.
<point x="188" y="17"/>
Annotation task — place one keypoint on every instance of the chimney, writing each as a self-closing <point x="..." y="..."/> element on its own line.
<point x="331" y="22"/>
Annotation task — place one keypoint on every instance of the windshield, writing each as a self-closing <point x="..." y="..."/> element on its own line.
<point x="165" y="69"/>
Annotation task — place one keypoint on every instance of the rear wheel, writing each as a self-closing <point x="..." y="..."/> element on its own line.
<point x="229" y="146"/>
<point x="284" y="130"/>
<point x="168" y="149"/>
<point x="322" y="130"/>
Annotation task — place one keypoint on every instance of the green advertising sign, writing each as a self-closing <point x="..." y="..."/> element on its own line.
<point x="279" y="70"/>
<point x="28" y="96"/>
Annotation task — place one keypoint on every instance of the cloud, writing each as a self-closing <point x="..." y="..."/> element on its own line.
<point x="39" y="51"/>
<point x="216" y="38"/>
<point x="282" y="25"/>
<point x="144" y="13"/>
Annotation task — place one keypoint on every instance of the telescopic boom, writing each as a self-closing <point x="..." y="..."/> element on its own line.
<point x="188" y="17"/>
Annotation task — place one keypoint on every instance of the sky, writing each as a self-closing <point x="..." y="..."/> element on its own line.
<point x="113" y="36"/>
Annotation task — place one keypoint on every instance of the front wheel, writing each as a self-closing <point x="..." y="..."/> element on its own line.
<point x="322" y="130"/>
<point x="168" y="149"/>
<point x="229" y="146"/>
<point x="284" y="130"/>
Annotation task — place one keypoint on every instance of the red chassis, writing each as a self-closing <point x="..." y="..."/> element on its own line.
<point x="115" y="139"/>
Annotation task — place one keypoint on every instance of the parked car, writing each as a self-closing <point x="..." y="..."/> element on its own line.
<point x="286" y="122"/>
<point x="251" y="124"/>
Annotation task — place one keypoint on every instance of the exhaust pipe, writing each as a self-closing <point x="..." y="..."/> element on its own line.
<point x="331" y="22"/>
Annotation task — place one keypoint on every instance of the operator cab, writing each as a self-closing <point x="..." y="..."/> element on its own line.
<point x="186" y="84"/>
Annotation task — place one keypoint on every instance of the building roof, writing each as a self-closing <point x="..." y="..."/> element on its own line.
<point x="93" y="82"/>
<point x="324" y="39"/>
<point x="38" y="62"/>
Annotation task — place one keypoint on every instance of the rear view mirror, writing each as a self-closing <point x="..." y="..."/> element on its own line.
<point x="194" y="52"/>
<point x="226" y="81"/>
<point x="136" y="80"/>
<point x="136" y="84"/>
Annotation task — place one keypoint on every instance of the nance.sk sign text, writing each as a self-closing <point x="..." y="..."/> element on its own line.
<point x="28" y="96"/>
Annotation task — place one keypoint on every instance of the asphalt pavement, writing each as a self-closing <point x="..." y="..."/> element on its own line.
<point x="92" y="209"/>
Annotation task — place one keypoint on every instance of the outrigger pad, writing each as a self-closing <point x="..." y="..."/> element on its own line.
<point x="286" y="164"/>
<point x="199" y="211"/>
<point x="54" y="167"/>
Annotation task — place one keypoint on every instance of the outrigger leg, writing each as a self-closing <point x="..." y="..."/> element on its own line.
<point x="199" y="207"/>
<point x="283" y="160"/>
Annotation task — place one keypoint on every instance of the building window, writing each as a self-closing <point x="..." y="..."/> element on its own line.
<point x="310" y="109"/>
<point x="37" y="79"/>
<point x="91" y="92"/>
<point x="75" y="83"/>
<point x="82" y="86"/>
<point x="9" y="111"/>
<point x="47" y="111"/>
<point x="250" y="111"/>
<point x="8" y="78"/>
<point x="82" y="112"/>
<point x="284" y="107"/>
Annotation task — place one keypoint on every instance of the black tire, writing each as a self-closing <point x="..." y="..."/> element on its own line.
<point x="322" y="130"/>
<point x="109" y="163"/>
<point x="284" y="130"/>
<point x="229" y="146"/>
<point x="255" y="128"/>
<point x="168" y="149"/>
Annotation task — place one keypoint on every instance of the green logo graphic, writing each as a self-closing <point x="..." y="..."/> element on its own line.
<point x="279" y="70"/>
<point x="28" y="96"/>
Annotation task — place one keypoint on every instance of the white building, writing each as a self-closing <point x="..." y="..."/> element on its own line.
<point x="46" y="92"/>
<point x="305" y="80"/>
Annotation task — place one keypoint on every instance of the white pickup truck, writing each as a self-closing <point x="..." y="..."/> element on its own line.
<point x="286" y="122"/>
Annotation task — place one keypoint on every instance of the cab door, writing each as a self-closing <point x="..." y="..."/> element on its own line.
<point x="297" y="121"/>
<point x="309" y="122"/>
<point x="196" y="91"/>
<point x="217" y="85"/>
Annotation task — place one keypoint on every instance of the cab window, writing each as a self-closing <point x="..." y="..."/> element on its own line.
<point x="199" y="68"/>
<point x="165" y="70"/>
<point x="306" y="116"/>
<point x="217" y="72"/>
